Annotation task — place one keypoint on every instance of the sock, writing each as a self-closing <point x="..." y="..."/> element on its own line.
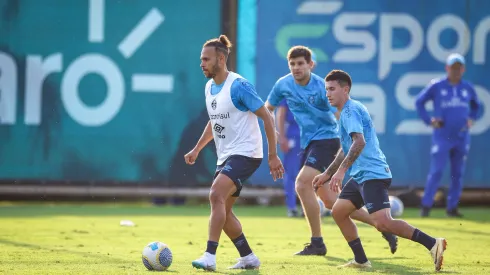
<point x="317" y="241"/>
<point x="423" y="239"/>
<point x="211" y="248"/>
<point x="358" y="250"/>
<point x="242" y="245"/>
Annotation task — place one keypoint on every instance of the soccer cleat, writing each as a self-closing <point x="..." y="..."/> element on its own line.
<point x="248" y="262"/>
<point x="206" y="262"/>
<point x="392" y="241"/>
<point x="292" y="213"/>
<point x="353" y="264"/>
<point x="437" y="252"/>
<point x="424" y="211"/>
<point x="311" y="250"/>
<point x="454" y="213"/>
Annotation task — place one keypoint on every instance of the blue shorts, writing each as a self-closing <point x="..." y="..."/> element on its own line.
<point x="371" y="193"/>
<point x="238" y="168"/>
<point x="320" y="153"/>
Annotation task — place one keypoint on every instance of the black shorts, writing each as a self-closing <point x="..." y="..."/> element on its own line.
<point x="320" y="153"/>
<point x="238" y="168"/>
<point x="371" y="193"/>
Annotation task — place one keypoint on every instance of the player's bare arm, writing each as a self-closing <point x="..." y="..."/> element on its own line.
<point x="280" y="123"/>
<point x="358" y="144"/>
<point x="275" y="164"/>
<point x="206" y="137"/>
<point x="321" y="179"/>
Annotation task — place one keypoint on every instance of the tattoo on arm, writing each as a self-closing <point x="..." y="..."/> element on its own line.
<point x="355" y="150"/>
<point x="332" y="168"/>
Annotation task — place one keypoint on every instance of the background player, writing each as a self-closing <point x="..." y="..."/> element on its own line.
<point x="370" y="173"/>
<point x="455" y="108"/>
<point x="233" y="107"/>
<point x="289" y="142"/>
<point x="304" y="92"/>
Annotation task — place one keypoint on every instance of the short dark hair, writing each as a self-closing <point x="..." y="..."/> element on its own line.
<point x="341" y="77"/>
<point x="221" y="44"/>
<point x="300" y="51"/>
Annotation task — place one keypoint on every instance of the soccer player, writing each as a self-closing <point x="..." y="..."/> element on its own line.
<point x="233" y="107"/>
<point x="305" y="96"/>
<point x="371" y="176"/>
<point x="455" y="108"/>
<point x="289" y="142"/>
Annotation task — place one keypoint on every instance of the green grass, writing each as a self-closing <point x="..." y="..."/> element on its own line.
<point x="87" y="239"/>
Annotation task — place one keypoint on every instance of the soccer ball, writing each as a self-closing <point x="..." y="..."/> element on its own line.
<point x="157" y="256"/>
<point x="396" y="206"/>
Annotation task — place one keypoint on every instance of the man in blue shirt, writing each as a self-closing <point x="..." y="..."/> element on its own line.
<point x="305" y="96"/>
<point x="455" y="108"/>
<point x="289" y="142"/>
<point x="371" y="176"/>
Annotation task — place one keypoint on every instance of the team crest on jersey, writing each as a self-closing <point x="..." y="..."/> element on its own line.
<point x="311" y="99"/>
<point x="213" y="104"/>
<point x="444" y="92"/>
<point x="464" y="93"/>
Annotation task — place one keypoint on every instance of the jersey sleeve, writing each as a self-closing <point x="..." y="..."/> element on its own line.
<point x="283" y="103"/>
<point x="352" y="120"/>
<point x="475" y="104"/>
<point x="425" y="95"/>
<point x="276" y="96"/>
<point x="244" y="96"/>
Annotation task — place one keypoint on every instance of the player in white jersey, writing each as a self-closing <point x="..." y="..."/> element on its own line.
<point x="233" y="107"/>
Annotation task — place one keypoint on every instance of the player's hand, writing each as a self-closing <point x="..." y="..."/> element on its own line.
<point x="469" y="123"/>
<point x="284" y="144"/>
<point x="436" y="122"/>
<point x="275" y="167"/>
<point x="190" y="158"/>
<point x="336" y="182"/>
<point x="320" y="180"/>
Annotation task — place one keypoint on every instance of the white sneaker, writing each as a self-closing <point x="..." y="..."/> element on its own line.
<point x="206" y="262"/>
<point x="248" y="262"/>
<point x="437" y="252"/>
<point x="353" y="264"/>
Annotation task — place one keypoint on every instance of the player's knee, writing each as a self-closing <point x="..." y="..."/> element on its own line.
<point x="382" y="224"/>
<point x="338" y="214"/>
<point x="215" y="197"/>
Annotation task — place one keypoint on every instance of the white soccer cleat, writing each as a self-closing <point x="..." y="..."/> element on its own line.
<point x="248" y="262"/>
<point x="206" y="262"/>
<point x="437" y="252"/>
<point x="353" y="264"/>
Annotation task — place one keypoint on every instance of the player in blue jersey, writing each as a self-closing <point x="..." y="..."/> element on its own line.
<point x="455" y="108"/>
<point x="370" y="174"/>
<point x="233" y="107"/>
<point x="304" y="92"/>
<point x="289" y="142"/>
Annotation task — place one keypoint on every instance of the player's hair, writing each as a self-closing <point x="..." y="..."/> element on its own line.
<point x="341" y="77"/>
<point x="221" y="44"/>
<point x="300" y="51"/>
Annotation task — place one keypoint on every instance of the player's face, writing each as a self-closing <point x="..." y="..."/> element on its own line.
<point x="209" y="62"/>
<point x="300" y="68"/>
<point x="455" y="71"/>
<point x="336" y="94"/>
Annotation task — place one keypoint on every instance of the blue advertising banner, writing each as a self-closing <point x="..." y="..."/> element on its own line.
<point x="392" y="49"/>
<point x="104" y="90"/>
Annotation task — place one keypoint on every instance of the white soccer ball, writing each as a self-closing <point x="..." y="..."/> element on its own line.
<point x="396" y="206"/>
<point x="157" y="256"/>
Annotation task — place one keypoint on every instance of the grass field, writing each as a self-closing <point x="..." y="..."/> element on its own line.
<point x="87" y="239"/>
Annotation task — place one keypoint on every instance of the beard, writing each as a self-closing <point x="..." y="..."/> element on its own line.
<point x="212" y="72"/>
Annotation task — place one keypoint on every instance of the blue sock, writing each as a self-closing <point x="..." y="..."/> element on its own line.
<point x="358" y="250"/>
<point x="317" y="241"/>
<point x="211" y="248"/>
<point x="242" y="245"/>
<point x="423" y="239"/>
